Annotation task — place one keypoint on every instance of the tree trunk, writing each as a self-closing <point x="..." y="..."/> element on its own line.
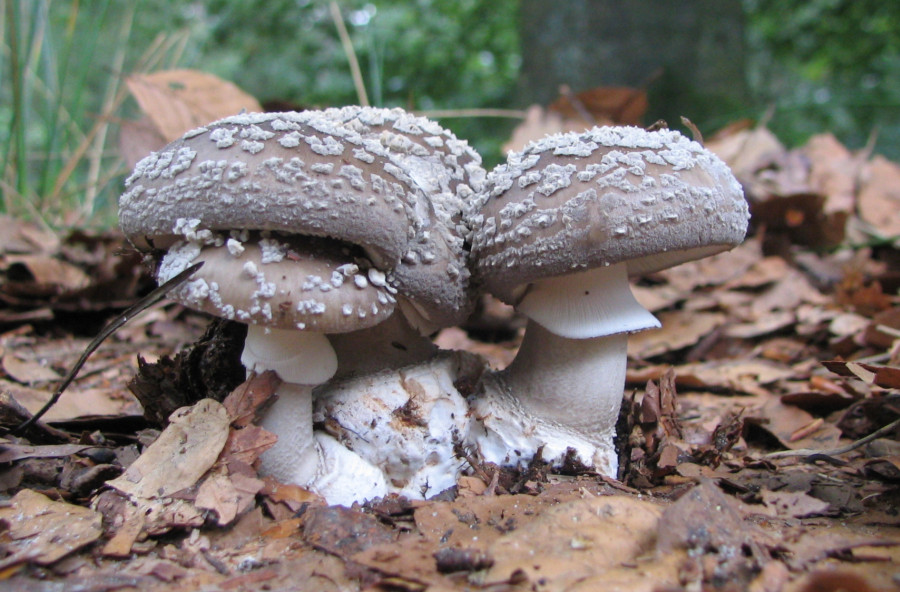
<point x="689" y="55"/>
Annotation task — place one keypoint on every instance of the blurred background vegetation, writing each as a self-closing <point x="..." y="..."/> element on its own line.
<point x="804" y="68"/>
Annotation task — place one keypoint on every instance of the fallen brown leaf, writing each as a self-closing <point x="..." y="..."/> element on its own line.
<point x="679" y="330"/>
<point x="883" y="376"/>
<point x="879" y="196"/>
<point x="44" y="531"/>
<point x="342" y="531"/>
<point x="180" y="100"/>
<point x="28" y="371"/>
<point x="833" y="173"/>
<point x="49" y="273"/>
<point x="184" y="451"/>
<point x="244" y="402"/>
<point x="785" y="421"/>
<point x="745" y="150"/>
<point x="227" y="495"/>
<point x="741" y="376"/>
<point x="793" y="504"/>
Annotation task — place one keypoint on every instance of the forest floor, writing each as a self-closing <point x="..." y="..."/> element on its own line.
<point x="759" y="437"/>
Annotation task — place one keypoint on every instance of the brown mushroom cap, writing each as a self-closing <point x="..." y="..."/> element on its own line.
<point x="384" y="180"/>
<point x="289" y="172"/>
<point x="297" y="283"/>
<point x="577" y="201"/>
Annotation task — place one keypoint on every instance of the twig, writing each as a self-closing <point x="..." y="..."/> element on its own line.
<point x="351" y="54"/>
<point x="566" y="91"/>
<point x="494" y="485"/>
<point x="447" y="113"/>
<point x="145" y="302"/>
<point x="474" y="463"/>
<point x="695" y="131"/>
<point x="840" y="450"/>
<point x="888" y="330"/>
<point x="615" y="484"/>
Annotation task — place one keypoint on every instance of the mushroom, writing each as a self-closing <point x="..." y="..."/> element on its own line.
<point x="557" y="233"/>
<point x="336" y="235"/>
<point x="271" y="284"/>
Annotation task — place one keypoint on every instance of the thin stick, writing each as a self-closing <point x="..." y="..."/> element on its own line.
<point x="507" y="113"/>
<point x="889" y="330"/>
<point x="145" y="302"/>
<point x="840" y="450"/>
<point x="351" y="54"/>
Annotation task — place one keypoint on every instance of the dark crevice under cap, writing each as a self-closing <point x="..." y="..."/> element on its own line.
<point x="577" y="201"/>
<point x="382" y="179"/>
<point x="433" y="273"/>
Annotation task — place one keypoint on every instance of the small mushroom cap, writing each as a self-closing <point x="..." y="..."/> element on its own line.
<point x="577" y="201"/>
<point x="382" y="179"/>
<point x="298" y="283"/>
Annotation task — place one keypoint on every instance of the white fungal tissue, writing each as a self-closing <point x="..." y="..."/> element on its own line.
<point x="406" y="422"/>
<point x="273" y="250"/>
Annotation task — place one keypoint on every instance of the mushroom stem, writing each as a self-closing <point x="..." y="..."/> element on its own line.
<point x="572" y="382"/>
<point x="564" y="388"/>
<point x="293" y="458"/>
<point x="302" y="360"/>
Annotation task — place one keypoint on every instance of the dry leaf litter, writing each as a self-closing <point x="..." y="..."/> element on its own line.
<point x="758" y="442"/>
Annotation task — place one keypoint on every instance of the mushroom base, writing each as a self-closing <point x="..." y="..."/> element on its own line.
<point x="408" y="422"/>
<point x="316" y="461"/>
<point x="558" y="394"/>
<point x="506" y="434"/>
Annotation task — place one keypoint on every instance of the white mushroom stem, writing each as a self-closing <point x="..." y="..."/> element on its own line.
<point x="303" y="360"/>
<point x="565" y="386"/>
<point x="293" y="458"/>
<point x="570" y="382"/>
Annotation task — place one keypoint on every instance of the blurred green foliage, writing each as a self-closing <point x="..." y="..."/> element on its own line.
<point x="828" y="65"/>
<point x="822" y="65"/>
<point x="420" y="55"/>
<point x="61" y="65"/>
